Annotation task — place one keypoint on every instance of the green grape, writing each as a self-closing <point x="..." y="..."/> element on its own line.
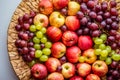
<point x="82" y="59"/>
<point x="46" y="51"/>
<point x="116" y="57"/>
<point x="43" y="40"/>
<point x="39" y="34"/>
<point x="43" y="58"/>
<point x="31" y="63"/>
<point x="103" y="37"/>
<point x="32" y="28"/>
<point x="112" y="53"/>
<point x="108" y="61"/>
<point x="108" y="48"/>
<point x="98" y="41"/>
<point x="102" y="58"/>
<point x="38" y="27"/>
<point x="97" y="51"/>
<point x="102" y="46"/>
<point x="38" y="53"/>
<point x="43" y="30"/>
<point x="36" y="40"/>
<point x="96" y="46"/>
<point x="104" y="53"/>
<point x="37" y="46"/>
<point x="48" y="44"/>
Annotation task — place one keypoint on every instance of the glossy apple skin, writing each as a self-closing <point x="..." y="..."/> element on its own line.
<point x="59" y="4"/>
<point x="99" y="68"/>
<point x="56" y="19"/>
<point x="58" y="49"/>
<point x="73" y="8"/>
<point x="45" y="7"/>
<point x="70" y="70"/>
<point x="41" y="19"/>
<point x="83" y="69"/>
<point x="76" y="78"/>
<point x="92" y="77"/>
<point x="39" y="71"/>
<point x="90" y="56"/>
<point x="85" y="42"/>
<point x="55" y="76"/>
<point x="52" y="64"/>
<point x="72" y="23"/>
<point x="69" y="38"/>
<point x="73" y="54"/>
<point x="54" y="34"/>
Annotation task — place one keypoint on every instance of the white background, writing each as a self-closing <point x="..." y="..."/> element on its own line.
<point x="7" y="7"/>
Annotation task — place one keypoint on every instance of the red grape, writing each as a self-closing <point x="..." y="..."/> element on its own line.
<point x="114" y="26"/>
<point x="113" y="4"/>
<point x="20" y="20"/>
<point x="83" y="21"/>
<point x="63" y="28"/>
<point x="96" y="33"/>
<point x="59" y="68"/>
<point x="113" y="11"/>
<point x="64" y="11"/>
<point x="98" y="8"/>
<point x="93" y="26"/>
<point x="26" y="26"/>
<point x="104" y="6"/>
<point x="30" y="44"/>
<point x="18" y="27"/>
<point x="92" y="14"/>
<point x="108" y="21"/>
<point x="111" y="38"/>
<point x="113" y="32"/>
<point x="83" y="7"/>
<point x="80" y="15"/>
<point x="99" y="18"/>
<point x="32" y="14"/>
<point x="86" y="31"/>
<point x="42" y="46"/>
<point x="63" y="60"/>
<point x="103" y="24"/>
<point x="114" y="46"/>
<point x="114" y="64"/>
<point x="90" y="4"/>
<point x="32" y="54"/>
<point x="23" y="43"/>
<point x="25" y="50"/>
<point x="31" y="49"/>
<point x="106" y="15"/>
<point x="79" y="32"/>
<point x="117" y="37"/>
<point x="113" y="18"/>
<point x="100" y="13"/>
<point x="26" y="17"/>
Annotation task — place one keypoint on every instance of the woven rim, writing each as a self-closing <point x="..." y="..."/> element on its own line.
<point x="21" y="69"/>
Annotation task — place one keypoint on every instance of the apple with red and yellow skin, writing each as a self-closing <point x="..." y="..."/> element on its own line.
<point x="59" y="4"/>
<point x="39" y="71"/>
<point x="52" y="64"/>
<point x="92" y="77"/>
<point x="99" y="68"/>
<point x="69" y="38"/>
<point x="85" y="42"/>
<point x="76" y="78"/>
<point x="41" y="19"/>
<point x="72" y="23"/>
<point x="58" y="49"/>
<point x="56" y="19"/>
<point x="73" y="54"/>
<point x="73" y="8"/>
<point x="68" y="70"/>
<point x="83" y="69"/>
<point x="54" y="34"/>
<point x="90" y="56"/>
<point x="55" y="76"/>
<point x="45" y="7"/>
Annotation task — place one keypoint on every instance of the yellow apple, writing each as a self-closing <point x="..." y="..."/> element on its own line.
<point x="56" y="19"/>
<point x="73" y="8"/>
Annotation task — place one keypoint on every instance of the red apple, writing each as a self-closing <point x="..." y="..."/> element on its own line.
<point x="55" y="76"/>
<point x="76" y="78"/>
<point x="83" y="69"/>
<point x="99" y="68"/>
<point x="58" y="49"/>
<point x="69" y="38"/>
<point x="92" y="77"/>
<point x="45" y="7"/>
<point x="85" y="42"/>
<point x="73" y="54"/>
<point x="59" y="4"/>
<point x="39" y="71"/>
<point x="52" y="64"/>
<point x="72" y="23"/>
<point x="41" y="19"/>
<point x="68" y="70"/>
<point x="54" y="34"/>
<point x="90" y="56"/>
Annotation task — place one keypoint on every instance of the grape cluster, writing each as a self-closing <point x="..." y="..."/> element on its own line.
<point x="32" y="43"/>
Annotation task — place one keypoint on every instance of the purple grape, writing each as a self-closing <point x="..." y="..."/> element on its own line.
<point x="111" y="38"/>
<point x="20" y="34"/>
<point x="108" y="27"/>
<point x="114" y="26"/>
<point x="32" y="14"/>
<point x="26" y="26"/>
<point x="113" y="18"/>
<point x="20" y="20"/>
<point x="79" y="32"/>
<point x="19" y="51"/>
<point x="86" y="31"/>
<point x="93" y="26"/>
<point x="79" y="1"/>
<point x="110" y="78"/>
<point x="31" y="35"/>
<point x="18" y="27"/>
<point x="80" y="15"/>
<point x="32" y="54"/>
<point x="100" y="13"/>
<point x="63" y="60"/>
<point x="106" y="15"/>
<point x="42" y="46"/>
<point x="117" y="37"/>
<point x="59" y="68"/>
<point x="104" y="7"/>
<point x="83" y="7"/>
<point x="23" y="43"/>
<point x="99" y="18"/>
<point x="30" y="44"/>
<point x="83" y="21"/>
<point x="113" y="4"/>
<point x="103" y="24"/>
<point x="63" y="28"/>
<point x="108" y="21"/>
<point x="64" y="11"/>
<point x="30" y="21"/>
<point x="113" y="12"/>
<point x="115" y="74"/>
<point x="113" y="32"/>
<point x="25" y="50"/>
<point x="114" y="64"/>
<point x="97" y="8"/>
<point x="114" y="46"/>
<point x="26" y="17"/>
<point x="25" y="36"/>
<point x="27" y="58"/>
<point x="31" y="49"/>
<point x="96" y="33"/>
<point x="17" y="42"/>
<point x="90" y="4"/>
<point x="92" y="14"/>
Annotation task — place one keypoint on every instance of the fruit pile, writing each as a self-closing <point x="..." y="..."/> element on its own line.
<point x="73" y="40"/>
